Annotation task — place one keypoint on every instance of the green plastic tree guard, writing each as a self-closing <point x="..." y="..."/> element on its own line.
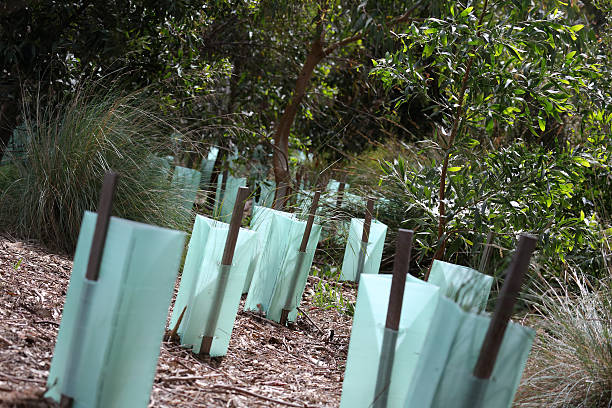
<point x="188" y="180"/>
<point x="201" y="275"/>
<point x="436" y="340"/>
<point x="333" y="185"/>
<point x="17" y="145"/>
<point x="168" y="163"/>
<point x="224" y="200"/>
<point x="373" y="250"/>
<point x="466" y="286"/>
<point x="444" y="377"/>
<point x="266" y="194"/>
<point x="207" y="167"/>
<point x="118" y="341"/>
<point x="351" y="200"/>
<point x="261" y="222"/>
<point x="280" y="262"/>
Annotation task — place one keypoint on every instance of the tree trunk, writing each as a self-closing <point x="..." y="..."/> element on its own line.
<point x="281" y="135"/>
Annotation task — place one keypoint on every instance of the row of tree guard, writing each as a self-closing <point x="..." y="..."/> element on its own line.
<point x="124" y="273"/>
<point x="121" y="287"/>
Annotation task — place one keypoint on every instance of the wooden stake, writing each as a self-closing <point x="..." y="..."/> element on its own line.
<point x="341" y="187"/>
<point x="505" y="305"/>
<point x="400" y="269"/>
<point x="303" y="245"/>
<point x="224" y="176"/>
<point x="234" y="228"/>
<point x="310" y="221"/>
<point x="105" y="206"/>
<point x="226" y="260"/>
<point x="394" y="310"/>
<point x="365" y="237"/>
<point x="172" y="334"/>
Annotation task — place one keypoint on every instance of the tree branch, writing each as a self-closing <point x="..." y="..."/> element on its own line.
<point x="342" y="43"/>
<point x="406" y="16"/>
<point x="359" y="35"/>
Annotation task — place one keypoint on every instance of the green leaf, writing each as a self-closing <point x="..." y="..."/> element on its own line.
<point x="570" y="55"/>
<point x="454" y="169"/>
<point x="515" y="50"/>
<point x="542" y="124"/>
<point x="576" y="28"/>
<point x="582" y="162"/>
<point x="467" y="11"/>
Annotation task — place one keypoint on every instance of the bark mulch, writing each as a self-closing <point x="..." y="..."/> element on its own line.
<point x="267" y="365"/>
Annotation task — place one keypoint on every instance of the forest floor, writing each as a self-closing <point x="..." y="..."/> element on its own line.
<point x="267" y="365"/>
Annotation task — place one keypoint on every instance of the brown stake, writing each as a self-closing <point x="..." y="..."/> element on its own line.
<point x="400" y="269"/>
<point x="365" y="237"/>
<point x="394" y="310"/>
<point x="105" y="206"/>
<point x="310" y="221"/>
<point x="234" y="228"/>
<point x="505" y="305"/>
<point x="287" y="200"/>
<point x="172" y="334"/>
<point x="340" y="195"/>
<point x="303" y="245"/>
<point x="226" y="260"/>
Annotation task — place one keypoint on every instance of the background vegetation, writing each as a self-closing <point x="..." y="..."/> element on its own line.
<point x="461" y="118"/>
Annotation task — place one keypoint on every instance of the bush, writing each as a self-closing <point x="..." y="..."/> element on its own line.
<point x="571" y="361"/>
<point x="562" y="196"/>
<point x="71" y="141"/>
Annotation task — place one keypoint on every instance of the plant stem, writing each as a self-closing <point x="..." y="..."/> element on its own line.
<point x="451" y="142"/>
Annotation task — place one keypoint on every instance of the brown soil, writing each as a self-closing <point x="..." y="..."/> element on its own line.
<point x="267" y="365"/>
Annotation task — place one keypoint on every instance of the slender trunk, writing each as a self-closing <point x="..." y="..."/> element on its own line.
<point x="451" y="141"/>
<point x="316" y="53"/>
<point x="281" y="135"/>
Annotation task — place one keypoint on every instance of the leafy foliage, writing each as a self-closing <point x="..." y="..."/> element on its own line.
<point x="561" y="196"/>
<point x="527" y="67"/>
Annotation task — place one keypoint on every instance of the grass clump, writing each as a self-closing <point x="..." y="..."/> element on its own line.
<point x="71" y="141"/>
<point x="571" y="360"/>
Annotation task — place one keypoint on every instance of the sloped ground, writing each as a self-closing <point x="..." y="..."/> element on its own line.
<point x="267" y="365"/>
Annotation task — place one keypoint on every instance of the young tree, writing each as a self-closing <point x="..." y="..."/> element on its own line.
<point x="335" y="25"/>
<point x="496" y="69"/>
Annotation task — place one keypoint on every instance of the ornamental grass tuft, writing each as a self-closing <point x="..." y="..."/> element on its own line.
<point x="70" y="142"/>
<point x="571" y="361"/>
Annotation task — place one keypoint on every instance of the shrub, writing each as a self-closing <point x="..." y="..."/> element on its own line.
<point x="71" y="141"/>
<point x="562" y="196"/>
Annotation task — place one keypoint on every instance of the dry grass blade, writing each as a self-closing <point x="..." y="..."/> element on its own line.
<point x="571" y="361"/>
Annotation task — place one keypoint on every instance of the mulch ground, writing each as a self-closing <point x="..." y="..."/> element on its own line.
<point x="267" y="365"/>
